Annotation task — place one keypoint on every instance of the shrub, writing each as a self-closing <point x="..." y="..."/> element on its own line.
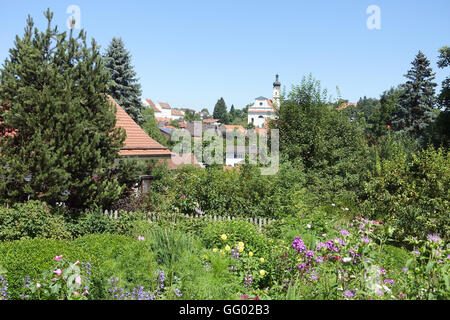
<point x="29" y="220"/>
<point x="411" y="193"/>
<point x="236" y="231"/>
<point x="108" y="255"/>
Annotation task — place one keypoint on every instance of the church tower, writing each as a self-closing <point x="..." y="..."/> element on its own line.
<point x="276" y="92"/>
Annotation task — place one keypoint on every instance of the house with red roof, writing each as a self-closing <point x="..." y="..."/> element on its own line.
<point x="137" y="143"/>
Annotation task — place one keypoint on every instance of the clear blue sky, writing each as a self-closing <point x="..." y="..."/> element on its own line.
<point x="191" y="53"/>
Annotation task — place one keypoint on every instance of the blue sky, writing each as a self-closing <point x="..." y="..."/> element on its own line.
<point x="191" y="53"/>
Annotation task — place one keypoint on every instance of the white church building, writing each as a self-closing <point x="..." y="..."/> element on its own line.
<point x="264" y="108"/>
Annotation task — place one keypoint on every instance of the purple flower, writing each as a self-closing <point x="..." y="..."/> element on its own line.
<point x="319" y="259"/>
<point x="365" y="240"/>
<point x="434" y="237"/>
<point x="200" y="212"/>
<point x="320" y="245"/>
<point x="417" y="252"/>
<point x="389" y="281"/>
<point x="309" y="253"/>
<point x="301" y="266"/>
<point x="314" y="277"/>
<point x="178" y="292"/>
<point x="349" y="293"/>
<point x="405" y="269"/>
<point x="298" y="245"/>
<point x="344" y="232"/>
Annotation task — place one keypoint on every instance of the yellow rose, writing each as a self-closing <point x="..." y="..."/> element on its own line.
<point x="214" y="250"/>
<point x="223" y="237"/>
<point x="227" y="248"/>
<point x="206" y="256"/>
<point x="241" y="244"/>
<point x="262" y="273"/>
<point x="240" y="249"/>
<point x="250" y="254"/>
<point x="222" y="252"/>
<point x="261" y="259"/>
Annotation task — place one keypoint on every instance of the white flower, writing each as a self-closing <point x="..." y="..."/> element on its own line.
<point x="333" y="205"/>
<point x="347" y="259"/>
<point x="308" y="226"/>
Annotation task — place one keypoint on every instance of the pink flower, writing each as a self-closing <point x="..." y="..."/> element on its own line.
<point x="54" y="279"/>
<point x="76" y="293"/>
<point x="78" y="262"/>
<point x="57" y="258"/>
<point x="78" y="280"/>
<point x="141" y="238"/>
<point x="183" y="196"/>
<point x="58" y="272"/>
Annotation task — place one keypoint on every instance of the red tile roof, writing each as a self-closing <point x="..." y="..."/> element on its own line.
<point x="176" y="112"/>
<point x="137" y="142"/>
<point x="232" y="127"/>
<point x="152" y="105"/>
<point x="210" y="120"/>
<point x="162" y="119"/>
<point x="164" y="105"/>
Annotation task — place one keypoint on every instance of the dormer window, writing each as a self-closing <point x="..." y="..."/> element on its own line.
<point x="260" y="103"/>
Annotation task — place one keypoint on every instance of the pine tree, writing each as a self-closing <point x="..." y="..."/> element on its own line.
<point x="220" y="111"/>
<point x="62" y="138"/>
<point x="124" y="86"/>
<point x="415" y="108"/>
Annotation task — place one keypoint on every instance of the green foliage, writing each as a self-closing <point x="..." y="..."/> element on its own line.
<point x="416" y="103"/>
<point x="64" y="138"/>
<point x="102" y="255"/>
<point x="236" y="231"/>
<point x="220" y="111"/>
<point x="29" y="220"/>
<point x="411" y="193"/>
<point x="332" y="148"/>
<point x="443" y="62"/>
<point x="229" y="192"/>
<point x="123" y="85"/>
<point x="150" y="126"/>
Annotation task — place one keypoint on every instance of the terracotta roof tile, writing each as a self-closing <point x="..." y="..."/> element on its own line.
<point x="137" y="142"/>
<point x="164" y="105"/>
<point x="233" y="127"/>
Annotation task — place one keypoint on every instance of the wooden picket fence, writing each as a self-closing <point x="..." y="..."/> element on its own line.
<point x="153" y="217"/>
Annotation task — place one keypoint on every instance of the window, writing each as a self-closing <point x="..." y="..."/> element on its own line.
<point x="260" y="103"/>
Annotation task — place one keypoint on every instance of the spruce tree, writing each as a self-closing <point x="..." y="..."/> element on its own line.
<point x="220" y="111"/>
<point x="444" y="62"/>
<point x="58" y="136"/>
<point x="124" y="86"/>
<point x="416" y="103"/>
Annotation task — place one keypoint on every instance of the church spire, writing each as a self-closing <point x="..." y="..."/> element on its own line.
<point x="276" y="83"/>
<point x="276" y="92"/>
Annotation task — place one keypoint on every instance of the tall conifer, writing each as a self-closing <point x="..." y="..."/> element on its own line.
<point x="57" y="127"/>
<point x="124" y="86"/>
